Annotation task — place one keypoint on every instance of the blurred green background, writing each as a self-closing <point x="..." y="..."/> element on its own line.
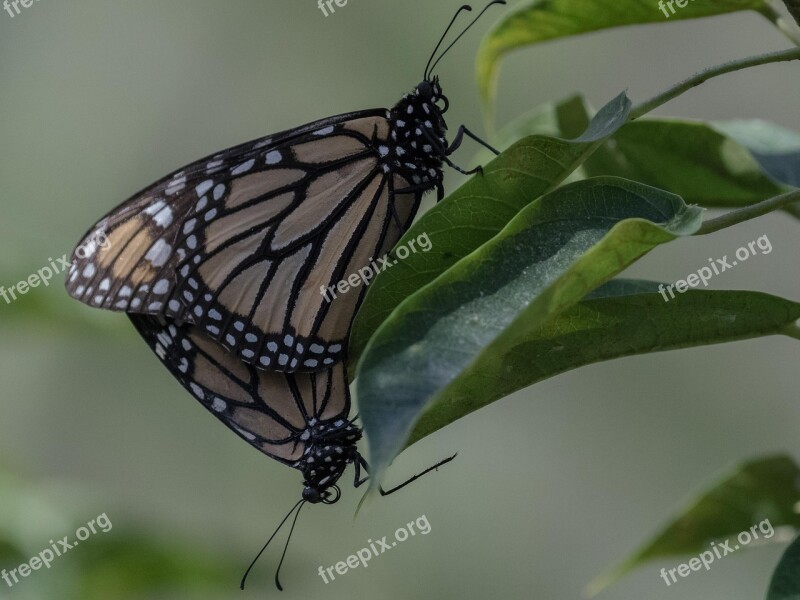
<point x="551" y="485"/>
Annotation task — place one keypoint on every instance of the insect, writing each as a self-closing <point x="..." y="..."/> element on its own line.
<point x="219" y="268"/>
<point x="299" y="419"/>
<point x="240" y="243"/>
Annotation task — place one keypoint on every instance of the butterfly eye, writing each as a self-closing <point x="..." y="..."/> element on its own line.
<point x="425" y="90"/>
<point x="311" y="495"/>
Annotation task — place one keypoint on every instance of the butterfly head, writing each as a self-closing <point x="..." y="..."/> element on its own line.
<point x="430" y="92"/>
<point x="314" y="495"/>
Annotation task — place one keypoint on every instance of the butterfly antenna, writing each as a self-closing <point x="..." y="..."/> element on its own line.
<point x="466" y="29"/>
<point x="286" y="547"/>
<point x="255" y="560"/>
<point x="466" y="7"/>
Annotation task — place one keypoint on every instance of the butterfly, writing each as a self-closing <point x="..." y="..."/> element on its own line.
<point x="220" y="266"/>
<point x="241" y="243"/>
<point x="299" y="419"/>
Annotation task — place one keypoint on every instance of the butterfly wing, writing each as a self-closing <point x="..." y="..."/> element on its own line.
<point x="269" y="410"/>
<point x="243" y="244"/>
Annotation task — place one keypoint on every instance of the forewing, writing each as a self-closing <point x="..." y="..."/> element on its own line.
<point x="244" y="244"/>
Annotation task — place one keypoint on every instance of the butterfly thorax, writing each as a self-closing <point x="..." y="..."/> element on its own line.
<point x="331" y="446"/>
<point x="417" y="141"/>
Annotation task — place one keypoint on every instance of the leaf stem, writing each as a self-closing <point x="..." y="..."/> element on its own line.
<point x="749" y="212"/>
<point x="776" y="18"/>
<point x="711" y="72"/>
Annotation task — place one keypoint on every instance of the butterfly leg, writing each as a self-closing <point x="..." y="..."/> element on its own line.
<point x="478" y="169"/>
<point x="359" y="463"/>
<point x="362" y="463"/>
<point x="424" y="187"/>
<point x="443" y="153"/>
<point x="462" y="131"/>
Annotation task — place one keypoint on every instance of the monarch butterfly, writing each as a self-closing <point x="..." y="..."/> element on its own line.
<point x="240" y="243"/>
<point x="219" y="268"/>
<point x="299" y="419"/>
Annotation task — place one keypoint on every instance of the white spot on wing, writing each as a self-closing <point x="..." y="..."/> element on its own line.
<point x="246" y="434"/>
<point x="164" y="217"/>
<point x="161" y="287"/>
<point x="244" y="167"/>
<point x="204" y="187"/>
<point x="159" y="253"/>
<point x="154" y="208"/>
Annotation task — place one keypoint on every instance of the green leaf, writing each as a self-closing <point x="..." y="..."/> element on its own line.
<point x="764" y="489"/>
<point x="775" y="148"/>
<point x="794" y="9"/>
<point x="724" y="164"/>
<point x="621" y="318"/>
<point x="785" y="583"/>
<point x="478" y="210"/>
<point x="538" y="21"/>
<point x="693" y="160"/>
<point x="546" y="259"/>
<point x="567" y="118"/>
